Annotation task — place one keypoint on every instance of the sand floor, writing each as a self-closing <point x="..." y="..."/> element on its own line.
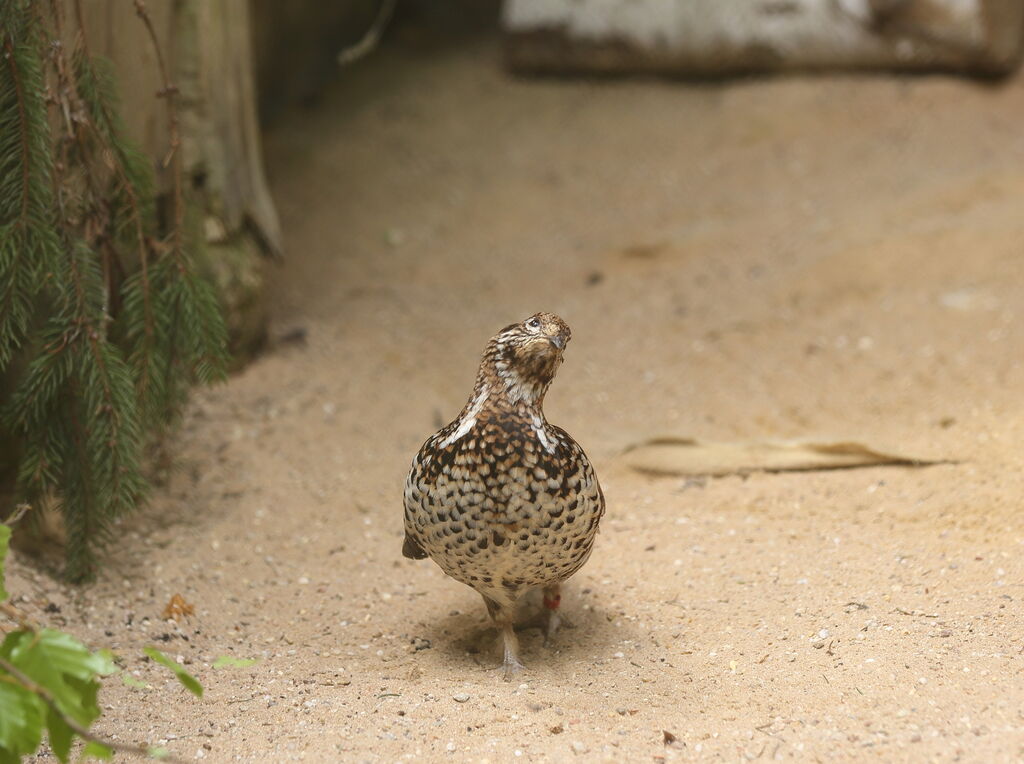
<point x="832" y="258"/>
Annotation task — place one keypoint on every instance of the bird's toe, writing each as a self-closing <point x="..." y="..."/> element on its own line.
<point x="511" y="668"/>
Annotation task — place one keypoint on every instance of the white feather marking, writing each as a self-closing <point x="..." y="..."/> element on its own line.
<point x="542" y="436"/>
<point x="470" y="418"/>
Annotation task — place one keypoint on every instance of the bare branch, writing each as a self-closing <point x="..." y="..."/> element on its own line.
<point x="19" y="512"/>
<point x="169" y="91"/>
<point x="372" y="37"/>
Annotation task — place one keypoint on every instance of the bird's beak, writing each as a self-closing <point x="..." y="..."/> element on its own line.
<point x="557" y="340"/>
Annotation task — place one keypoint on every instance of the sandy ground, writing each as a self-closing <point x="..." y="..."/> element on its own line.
<point x="832" y="258"/>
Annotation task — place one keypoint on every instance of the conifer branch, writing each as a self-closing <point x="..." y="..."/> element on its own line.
<point x="23" y="124"/>
<point x="7" y="306"/>
<point x="120" y="169"/>
<point x="24" y="230"/>
<point x="116" y="351"/>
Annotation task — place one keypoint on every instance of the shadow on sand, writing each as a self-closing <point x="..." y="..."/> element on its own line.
<point x="468" y="641"/>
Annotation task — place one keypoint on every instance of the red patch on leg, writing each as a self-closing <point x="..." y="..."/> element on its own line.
<point x="552" y="603"/>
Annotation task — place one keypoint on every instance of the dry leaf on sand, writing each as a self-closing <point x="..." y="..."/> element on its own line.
<point x="178" y="607"/>
<point x="687" y="456"/>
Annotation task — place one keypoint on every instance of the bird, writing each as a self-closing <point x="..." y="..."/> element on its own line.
<point x="499" y="498"/>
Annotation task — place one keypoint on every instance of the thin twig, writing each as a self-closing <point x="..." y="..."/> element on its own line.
<point x="372" y="37"/>
<point x="19" y="512"/>
<point x="17" y="616"/>
<point x="169" y="91"/>
<point x="901" y="611"/>
<point x="27" y="683"/>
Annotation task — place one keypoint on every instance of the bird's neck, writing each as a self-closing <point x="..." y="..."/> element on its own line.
<point x="502" y="388"/>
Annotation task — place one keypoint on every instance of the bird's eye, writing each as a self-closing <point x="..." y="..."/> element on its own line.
<point x="533" y="323"/>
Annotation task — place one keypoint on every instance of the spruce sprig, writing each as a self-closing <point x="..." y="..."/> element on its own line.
<point x="105" y="317"/>
<point x="28" y="243"/>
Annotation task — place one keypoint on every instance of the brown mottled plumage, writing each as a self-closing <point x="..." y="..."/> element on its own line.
<point x="500" y="499"/>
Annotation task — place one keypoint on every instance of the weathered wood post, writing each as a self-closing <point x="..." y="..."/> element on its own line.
<point x="208" y="47"/>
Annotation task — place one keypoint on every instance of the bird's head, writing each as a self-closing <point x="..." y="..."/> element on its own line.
<point x="525" y="356"/>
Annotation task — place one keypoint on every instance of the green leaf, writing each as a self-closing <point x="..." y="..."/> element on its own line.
<point x="129" y="681"/>
<point x="184" y="677"/>
<point x="21" y="721"/>
<point x="68" y="670"/>
<point x="94" y="750"/>
<point x="59" y="733"/>
<point x="64" y="666"/>
<point x="5" y="536"/>
<point x="71" y="657"/>
<point x="229" y="661"/>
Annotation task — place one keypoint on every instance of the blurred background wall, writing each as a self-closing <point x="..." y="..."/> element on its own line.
<point x="240" y="63"/>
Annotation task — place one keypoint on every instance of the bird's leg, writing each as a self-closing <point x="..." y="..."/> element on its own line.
<point x="552" y="601"/>
<point x="511" y="664"/>
<point x="503" y="618"/>
<point x="549" y="618"/>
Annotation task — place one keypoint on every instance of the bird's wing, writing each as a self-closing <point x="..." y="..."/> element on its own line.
<point x="412" y="549"/>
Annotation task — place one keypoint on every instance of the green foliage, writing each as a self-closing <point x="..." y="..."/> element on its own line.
<point x="21" y="722"/>
<point x="96" y="750"/>
<point x="229" y="661"/>
<point x="49" y="682"/>
<point x="186" y="679"/>
<point x="28" y="244"/>
<point x="68" y="674"/>
<point x="102" y="306"/>
<point x="105" y="323"/>
<point x="47" y="678"/>
<point x="136" y="684"/>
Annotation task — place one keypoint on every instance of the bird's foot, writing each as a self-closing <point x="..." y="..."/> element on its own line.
<point x="560" y="621"/>
<point x="511" y="667"/>
<point x="554" y="621"/>
<point x="547" y="622"/>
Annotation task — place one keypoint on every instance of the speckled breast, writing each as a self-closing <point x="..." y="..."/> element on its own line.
<point x="507" y="506"/>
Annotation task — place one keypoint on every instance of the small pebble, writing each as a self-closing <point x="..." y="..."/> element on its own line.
<point x="460" y="697"/>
